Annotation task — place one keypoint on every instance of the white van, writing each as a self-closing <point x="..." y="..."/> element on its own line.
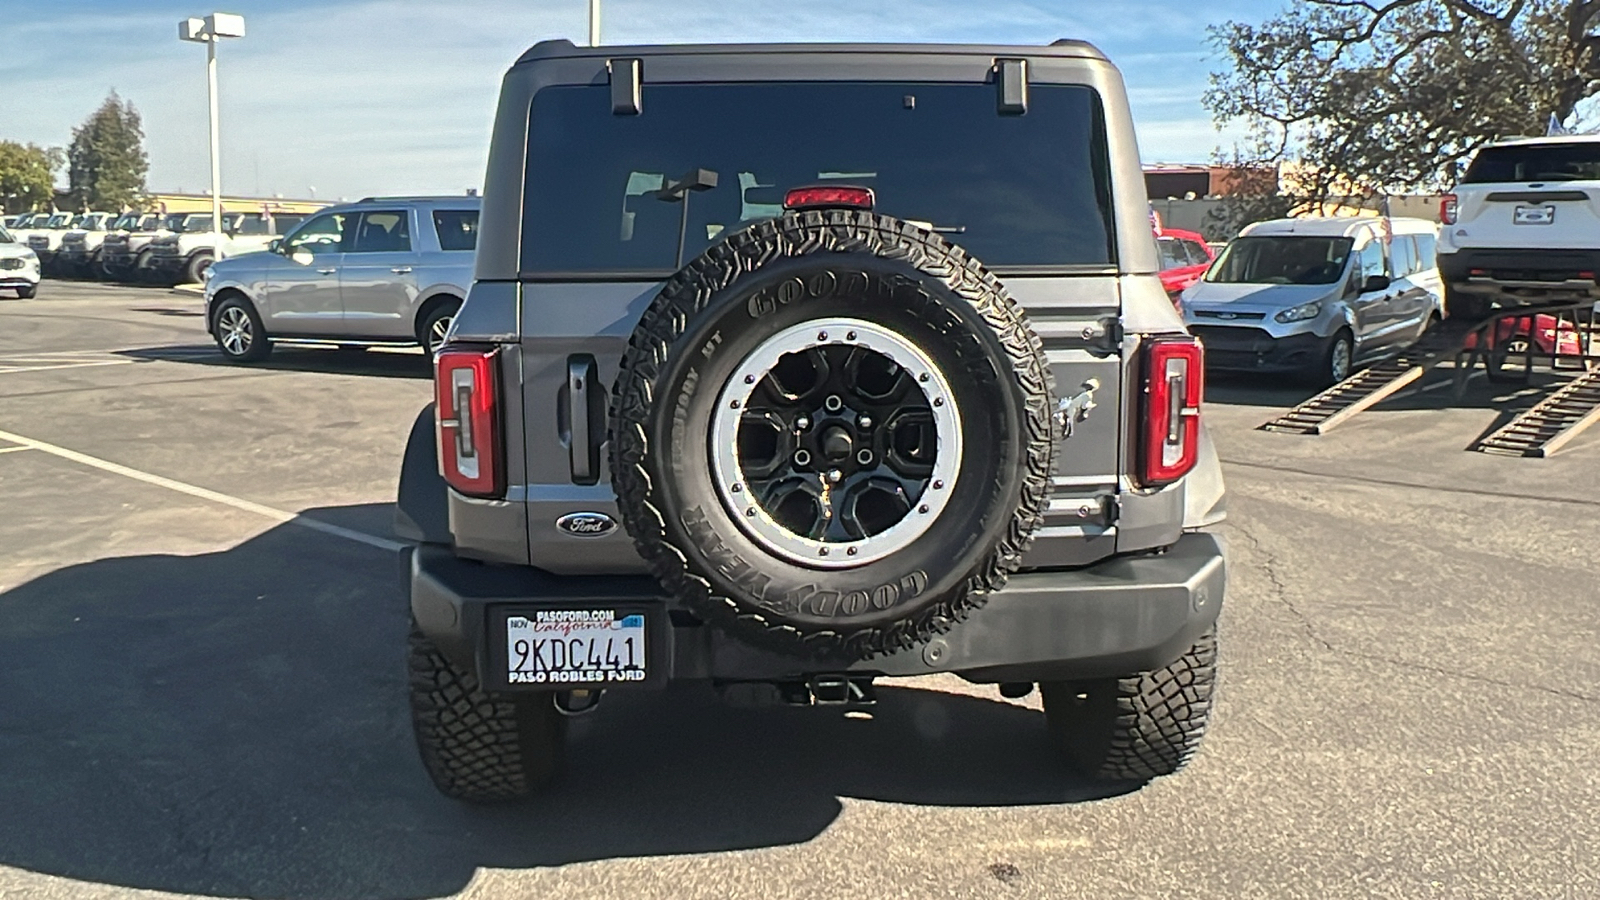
<point x="1317" y="296"/>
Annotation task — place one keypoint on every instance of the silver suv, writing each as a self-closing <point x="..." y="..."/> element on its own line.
<point x="385" y="270"/>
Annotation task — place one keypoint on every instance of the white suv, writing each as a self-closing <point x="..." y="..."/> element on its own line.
<point x="19" y="266"/>
<point x="1522" y="227"/>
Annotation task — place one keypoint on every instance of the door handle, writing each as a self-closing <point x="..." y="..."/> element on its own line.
<point x="326" y="271"/>
<point x="401" y="270"/>
<point x="581" y="413"/>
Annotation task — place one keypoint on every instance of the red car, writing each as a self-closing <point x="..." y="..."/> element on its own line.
<point x="1549" y="338"/>
<point x="1184" y="258"/>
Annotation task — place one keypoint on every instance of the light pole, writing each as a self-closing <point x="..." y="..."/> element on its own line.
<point x="208" y="31"/>
<point x="594" y="23"/>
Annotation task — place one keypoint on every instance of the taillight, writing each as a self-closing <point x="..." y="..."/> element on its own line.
<point x="1449" y="208"/>
<point x="829" y="197"/>
<point x="1173" y="384"/>
<point x="469" y="422"/>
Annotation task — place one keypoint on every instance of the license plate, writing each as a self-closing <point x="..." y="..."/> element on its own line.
<point x="575" y="647"/>
<point x="1534" y="215"/>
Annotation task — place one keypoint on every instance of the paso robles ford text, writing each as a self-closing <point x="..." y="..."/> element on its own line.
<point x="575" y="646"/>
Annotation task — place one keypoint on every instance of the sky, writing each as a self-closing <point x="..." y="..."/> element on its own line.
<point x="340" y="99"/>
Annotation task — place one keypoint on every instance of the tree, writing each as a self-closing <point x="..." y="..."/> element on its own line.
<point x="27" y="175"/>
<point x="106" y="162"/>
<point x="1357" y="98"/>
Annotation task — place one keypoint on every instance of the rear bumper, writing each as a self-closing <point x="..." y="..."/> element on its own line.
<point x="1120" y="616"/>
<point x="1239" y="348"/>
<point x="1523" y="275"/>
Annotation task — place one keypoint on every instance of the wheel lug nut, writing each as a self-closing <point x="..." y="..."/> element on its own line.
<point x="864" y="421"/>
<point x="835" y="476"/>
<point x="802" y="423"/>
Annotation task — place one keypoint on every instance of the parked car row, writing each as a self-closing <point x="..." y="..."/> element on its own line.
<point x="143" y="247"/>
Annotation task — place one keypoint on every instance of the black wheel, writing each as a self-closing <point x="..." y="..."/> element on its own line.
<point x="1138" y="727"/>
<point x="28" y="291"/>
<point x="1466" y="307"/>
<point x="194" y="272"/>
<point x="238" y="331"/>
<point x="1336" y="362"/>
<point x="1514" y="351"/>
<point x="478" y="747"/>
<point x="832" y="432"/>
<point x="142" y="272"/>
<point x="434" y="324"/>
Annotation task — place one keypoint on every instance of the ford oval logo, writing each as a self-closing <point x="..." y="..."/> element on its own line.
<point x="586" y="524"/>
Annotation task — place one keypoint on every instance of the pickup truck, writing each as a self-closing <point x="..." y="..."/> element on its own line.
<point x="184" y="256"/>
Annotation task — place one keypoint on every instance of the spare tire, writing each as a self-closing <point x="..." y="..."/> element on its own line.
<point x="831" y="432"/>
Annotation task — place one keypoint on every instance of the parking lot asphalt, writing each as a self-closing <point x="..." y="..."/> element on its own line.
<point x="202" y="689"/>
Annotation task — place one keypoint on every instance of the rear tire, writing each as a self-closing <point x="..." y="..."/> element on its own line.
<point x="1138" y="727"/>
<point x="435" y="322"/>
<point x="476" y="747"/>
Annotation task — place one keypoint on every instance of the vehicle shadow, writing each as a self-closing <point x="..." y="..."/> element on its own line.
<point x="1247" y="389"/>
<point x="376" y="363"/>
<point x="235" y="723"/>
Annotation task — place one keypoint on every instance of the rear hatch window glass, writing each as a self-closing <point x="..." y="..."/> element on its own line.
<point x="1028" y="191"/>
<point x="1282" y="260"/>
<point x="457" y="228"/>
<point x="1535" y="162"/>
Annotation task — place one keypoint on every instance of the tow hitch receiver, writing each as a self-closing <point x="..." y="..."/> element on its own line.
<point x="841" y="690"/>
<point x="819" y="690"/>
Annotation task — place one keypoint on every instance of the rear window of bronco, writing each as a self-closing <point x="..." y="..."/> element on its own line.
<point x="1016" y="191"/>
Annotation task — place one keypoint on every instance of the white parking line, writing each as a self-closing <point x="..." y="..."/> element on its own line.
<point x="269" y="512"/>
<point x="6" y="369"/>
<point x="13" y="449"/>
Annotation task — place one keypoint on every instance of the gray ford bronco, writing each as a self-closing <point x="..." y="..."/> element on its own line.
<point x="789" y="367"/>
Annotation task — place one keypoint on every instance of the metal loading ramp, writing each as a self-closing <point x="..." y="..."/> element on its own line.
<point x="1551" y="423"/>
<point x="1329" y="409"/>
<point x="1539" y="431"/>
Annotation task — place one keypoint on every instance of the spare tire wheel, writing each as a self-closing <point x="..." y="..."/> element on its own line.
<point x="831" y="432"/>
